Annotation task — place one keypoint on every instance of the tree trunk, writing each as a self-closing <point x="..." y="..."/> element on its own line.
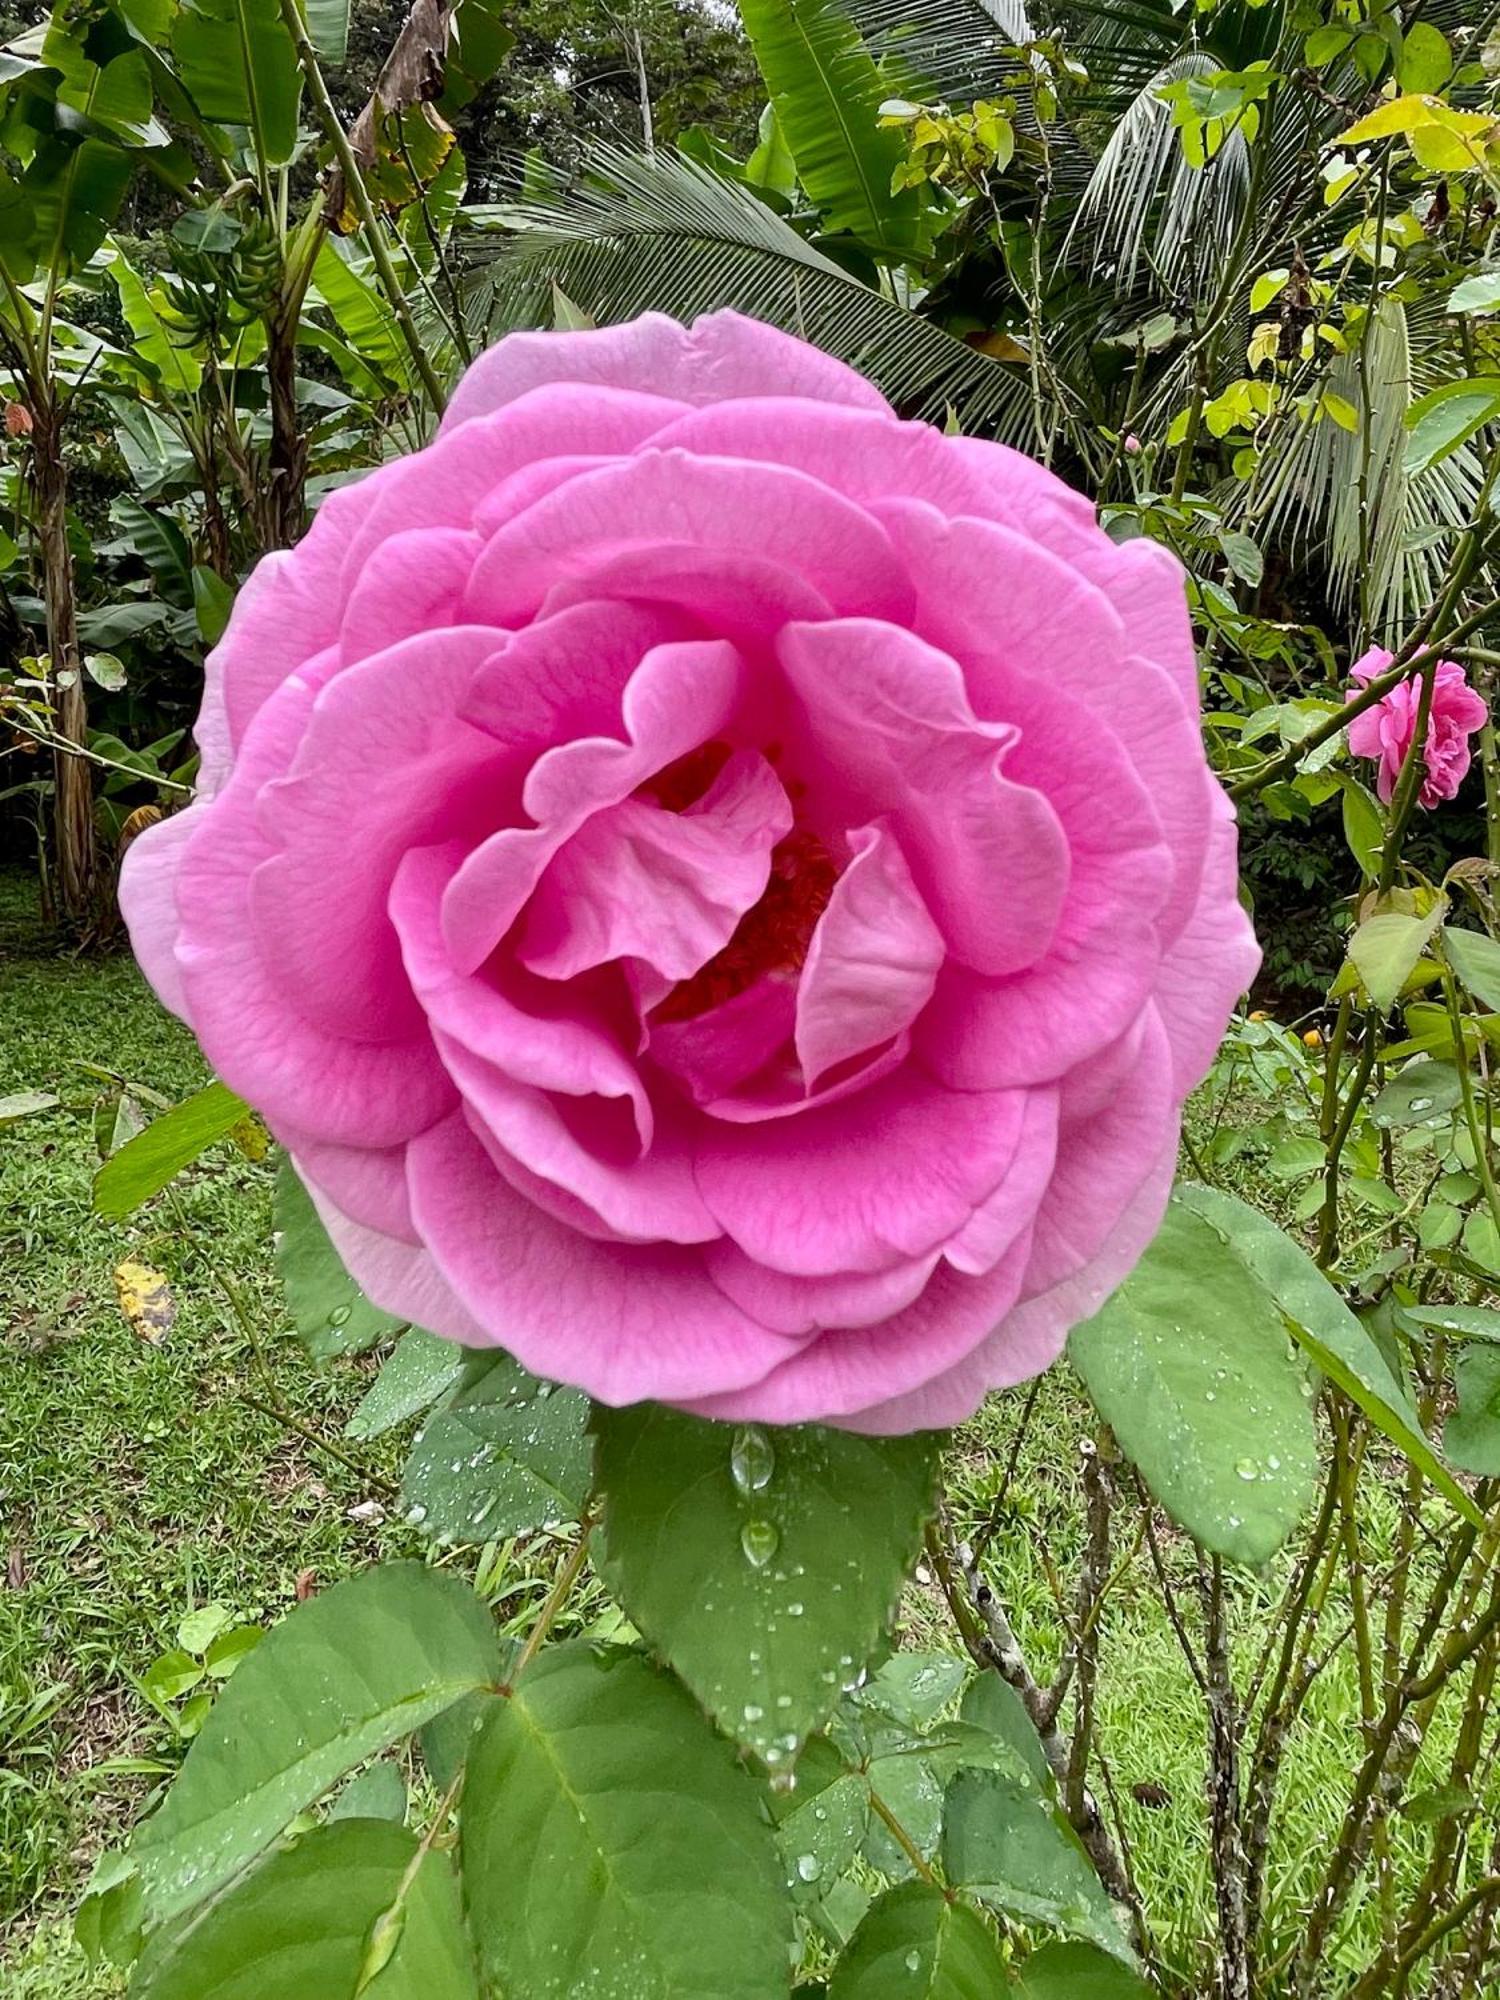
<point x="77" y="856"/>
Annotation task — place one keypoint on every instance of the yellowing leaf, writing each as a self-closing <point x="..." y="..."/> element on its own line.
<point x="251" y="1137"/>
<point x="145" y="1299"/>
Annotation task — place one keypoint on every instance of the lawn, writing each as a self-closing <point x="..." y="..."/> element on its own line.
<point x="140" y="1479"/>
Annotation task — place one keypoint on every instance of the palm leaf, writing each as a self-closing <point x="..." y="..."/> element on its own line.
<point x="662" y="233"/>
<point x="1322" y="482"/>
<point x="949" y="49"/>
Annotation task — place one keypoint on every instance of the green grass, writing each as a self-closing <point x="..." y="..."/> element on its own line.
<point x="139" y="1480"/>
<point x="136" y="1481"/>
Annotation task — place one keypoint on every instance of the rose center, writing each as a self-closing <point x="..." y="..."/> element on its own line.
<point x="774" y="934"/>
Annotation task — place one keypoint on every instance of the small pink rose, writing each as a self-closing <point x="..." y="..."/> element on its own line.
<point x="1385" y="731"/>
<point x="718" y="888"/>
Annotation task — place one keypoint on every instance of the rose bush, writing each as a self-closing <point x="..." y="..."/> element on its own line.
<point x="718" y="888"/>
<point x="1385" y="731"/>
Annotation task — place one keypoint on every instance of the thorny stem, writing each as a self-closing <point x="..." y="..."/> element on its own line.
<point x="556" y="1597"/>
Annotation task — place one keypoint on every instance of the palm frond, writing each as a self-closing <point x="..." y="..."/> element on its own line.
<point x="1143" y="200"/>
<point x="1383" y="535"/>
<point x="662" y="233"/>
<point x="951" y="49"/>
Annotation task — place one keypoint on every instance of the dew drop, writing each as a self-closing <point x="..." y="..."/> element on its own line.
<point x="914" y="1961"/>
<point x="759" y="1540"/>
<point x="809" y="1867"/>
<point x="339" y="1316"/>
<point x="752" y="1459"/>
<point x="1247" y="1468"/>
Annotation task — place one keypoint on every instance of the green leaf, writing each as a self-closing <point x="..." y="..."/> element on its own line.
<point x="1011" y="1846"/>
<point x="348" y="1673"/>
<point x="1479" y="294"/>
<point x="1244" y="558"/>
<point x="1420" y="1091"/>
<point x="26" y="1104"/>
<point x="422" y="1368"/>
<point x="160" y="543"/>
<point x="1473" y="1322"/>
<point x="361" y="311"/>
<point x="329" y="1311"/>
<point x="821" y="1824"/>
<point x="376" y="1792"/>
<point x="506" y="1456"/>
<point x="178" y="367"/>
<point x="1471" y="1436"/>
<point x="213" y="600"/>
<point x="1326" y="1330"/>
<point x="1475" y="959"/>
<point x="1364" y="826"/>
<point x="1447" y="417"/>
<point x="916" y="1945"/>
<point x="1295" y="1158"/>
<point x="328" y="28"/>
<point x="1192" y="1367"/>
<point x="1078" y="1972"/>
<point x="237" y="60"/>
<point x="74" y="193"/>
<point x="308" y="1920"/>
<point x="1426" y="61"/>
<point x="144" y="1165"/>
<point x="613" y="1845"/>
<point x="771" y="165"/>
<point x="764" y="1564"/>
<point x="827" y="95"/>
<point x="1386" y="947"/>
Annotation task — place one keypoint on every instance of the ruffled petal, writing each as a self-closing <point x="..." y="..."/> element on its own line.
<point x="873" y="960"/>
<point x="626" y="1323"/>
<point x="720" y="355"/>
<point x="890" y="719"/>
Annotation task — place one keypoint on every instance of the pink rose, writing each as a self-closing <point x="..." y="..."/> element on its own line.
<point x="719" y="889"/>
<point x="1386" y="730"/>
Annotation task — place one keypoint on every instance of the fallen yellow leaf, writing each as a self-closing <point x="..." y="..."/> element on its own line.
<point x="145" y="1299"/>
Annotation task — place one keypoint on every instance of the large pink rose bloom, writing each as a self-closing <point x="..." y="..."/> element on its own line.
<point x="718" y="888"/>
<point x="1385" y="731"/>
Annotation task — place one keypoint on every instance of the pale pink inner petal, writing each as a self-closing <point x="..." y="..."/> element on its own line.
<point x="873" y="959"/>
<point x="665" y="887"/>
<point x="891" y="720"/>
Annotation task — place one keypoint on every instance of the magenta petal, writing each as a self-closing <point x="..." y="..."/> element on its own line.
<point x="397" y="1276"/>
<point x="626" y="1323"/>
<point x="884" y="1176"/>
<point x="1210" y="964"/>
<point x="148" y="903"/>
<point x="445" y="485"/>
<point x="891" y="719"/>
<point x="814" y="1305"/>
<point x="414" y="583"/>
<point x="672" y="499"/>
<point x="678" y="696"/>
<point x="847" y="1377"/>
<point x="714" y="1052"/>
<point x="873" y="959"/>
<point x="244" y="1009"/>
<point x="365" y="1184"/>
<point x="720" y="355"/>
<point x="668" y="888"/>
<point x="374" y="775"/>
<point x="552" y="1048"/>
<point x="646" y="1198"/>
